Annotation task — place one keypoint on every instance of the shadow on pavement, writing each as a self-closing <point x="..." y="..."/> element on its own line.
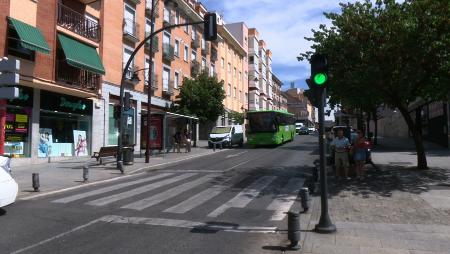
<point x="2" y="212"/>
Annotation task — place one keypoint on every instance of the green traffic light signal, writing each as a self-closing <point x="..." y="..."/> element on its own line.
<point x="320" y="78"/>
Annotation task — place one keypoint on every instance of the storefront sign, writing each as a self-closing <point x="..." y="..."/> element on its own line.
<point x="65" y="103"/>
<point x="25" y="98"/>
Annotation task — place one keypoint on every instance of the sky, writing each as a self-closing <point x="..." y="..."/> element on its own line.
<point x="282" y="24"/>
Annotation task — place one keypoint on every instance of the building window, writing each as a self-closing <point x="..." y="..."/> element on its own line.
<point x="176" y="80"/>
<point x="203" y="63"/>
<point x="126" y="55"/>
<point x="246" y="98"/>
<point x="203" y="43"/>
<point x="240" y="96"/>
<point x="186" y="28"/>
<point x="240" y="75"/>
<point x="166" y="14"/>
<point x="222" y="63"/>
<point x="229" y="90"/>
<point x="186" y="53"/>
<point x="166" y="78"/>
<point x="234" y="92"/>
<point x="194" y="55"/>
<point x="194" y="33"/>
<point x="212" y="69"/>
<point x="251" y="60"/>
<point x="177" y="48"/>
<point x="177" y="17"/>
<point x="246" y="75"/>
<point x="229" y="68"/>
<point x="234" y="74"/>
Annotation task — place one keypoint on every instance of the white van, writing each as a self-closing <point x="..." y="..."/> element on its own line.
<point x="298" y="126"/>
<point x="227" y="136"/>
<point x="8" y="187"/>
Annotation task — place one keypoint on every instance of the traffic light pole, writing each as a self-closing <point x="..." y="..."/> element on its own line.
<point x="325" y="225"/>
<point x="119" y="162"/>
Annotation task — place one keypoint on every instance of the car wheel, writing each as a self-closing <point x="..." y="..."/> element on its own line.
<point x="241" y="143"/>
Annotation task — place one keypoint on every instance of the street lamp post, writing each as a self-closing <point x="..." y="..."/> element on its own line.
<point x="211" y="29"/>
<point x="149" y="89"/>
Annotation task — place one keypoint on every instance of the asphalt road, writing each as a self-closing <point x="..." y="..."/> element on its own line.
<point x="229" y="202"/>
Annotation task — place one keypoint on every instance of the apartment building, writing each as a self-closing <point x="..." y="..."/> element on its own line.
<point x="59" y="45"/>
<point x="276" y="92"/>
<point x="298" y="104"/>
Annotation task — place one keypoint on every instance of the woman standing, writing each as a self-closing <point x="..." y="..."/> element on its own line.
<point x="360" y="154"/>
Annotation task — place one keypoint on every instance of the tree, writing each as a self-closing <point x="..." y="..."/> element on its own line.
<point x="202" y="96"/>
<point x="237" y="117"/>
<point x="390" y="53"/>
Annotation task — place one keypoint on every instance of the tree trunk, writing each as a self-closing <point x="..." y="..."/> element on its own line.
<point x="415" y="127"/>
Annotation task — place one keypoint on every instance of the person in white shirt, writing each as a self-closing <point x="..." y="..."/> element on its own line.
<point x="341" y="147"/>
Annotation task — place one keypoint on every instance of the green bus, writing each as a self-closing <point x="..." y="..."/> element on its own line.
<point x="270" y="127"/>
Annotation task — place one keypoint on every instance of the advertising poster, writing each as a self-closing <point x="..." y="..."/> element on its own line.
<point x="80" y="143"/>
<point x="45" y="142"/>
<point x="156" y="132"/>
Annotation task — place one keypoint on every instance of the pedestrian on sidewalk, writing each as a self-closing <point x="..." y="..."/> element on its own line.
<point x="341" y="146"/>
<point x="359" y="153"/>
<point x="187" y="138"/>
<point x="177" y="141"/>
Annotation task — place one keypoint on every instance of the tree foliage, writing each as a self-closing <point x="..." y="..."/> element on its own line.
<point x="202" y="96"/>
<point x="237" y="117"/>
<point x="387" y="53"/>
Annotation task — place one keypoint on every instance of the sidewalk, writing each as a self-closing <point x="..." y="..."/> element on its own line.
<point x="396" y="209"/>
<point x="69" y="173"/>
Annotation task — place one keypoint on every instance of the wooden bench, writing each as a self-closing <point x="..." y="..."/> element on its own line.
<point x="105" y="151"/>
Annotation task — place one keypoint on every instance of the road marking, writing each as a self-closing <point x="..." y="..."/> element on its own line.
<point x="109" y="188"/>
<point x="245" y="196"/>
<point x="237" y="165"/>
<point x="197" y="199"/>
<point x="137" y="191"/>
<point x="235" y="155"/>
<point x="80" y="186"/>
<point x="186" y="224"/>
<point x="284" y="201"/>
<point x="58" y="236"/>
<point x="170" y="193"/>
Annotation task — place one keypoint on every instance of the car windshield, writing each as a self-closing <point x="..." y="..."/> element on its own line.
<point x="262" y="122"/>
<point x="220" y="130"/>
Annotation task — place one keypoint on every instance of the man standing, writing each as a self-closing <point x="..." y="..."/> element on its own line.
<point x="341" y="147"/>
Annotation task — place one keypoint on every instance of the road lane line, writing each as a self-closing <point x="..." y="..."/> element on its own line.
<point x="237" y="165"/>
<point x="170" y="193"/>
<point x="58" y="236"/>
<point x="109" y="188"/>
<point x="235" y="155"/>
<point x="284" y="201"/>
<point x="115" y="219"/>
<point x="245" y="196"/>
<point x="197" y="199"/>
<point x="113" y="198"/>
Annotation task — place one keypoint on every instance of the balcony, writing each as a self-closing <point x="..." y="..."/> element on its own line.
<point x="77" y="78"/>
<point x="205" y="50"/>
<point x="155" y="46"/>
<point x="130" y="30"/>
<point x="148" y="8"/>
<point x="195" y="68"/>
<point x="195" y="43"/>
<point x="77" y="23"/>
<point x="168" y="52"/>
<point x="130" y="76"/>
<point x="168" y="90"/>
<point x="154" y="80"/>
<point x="169" y="21"/>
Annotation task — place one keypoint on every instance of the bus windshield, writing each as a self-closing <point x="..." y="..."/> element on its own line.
<point x="262" y="122"/>
<point x="220" y="130"/>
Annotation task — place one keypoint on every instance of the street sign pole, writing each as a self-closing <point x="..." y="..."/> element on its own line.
<point x="325" y="225"/>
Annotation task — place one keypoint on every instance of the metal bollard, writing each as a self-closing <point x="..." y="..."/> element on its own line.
<point x="85" y="173"/>
<point x="35" y="180"/>
<point x="316" y="173"/>
<point x="214" y="146"/>
<point x="304" y="194"/>
<point x="294" y="230"/>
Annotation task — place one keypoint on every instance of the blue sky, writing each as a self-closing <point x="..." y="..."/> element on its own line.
<point x="283" y="24"/>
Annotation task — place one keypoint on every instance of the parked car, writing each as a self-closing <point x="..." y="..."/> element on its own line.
<point x="298" y="126"/>
<point x="303" y="131"/>
<point x="8" y="187"/>
<point x="311" y="129"/>
<point x="227" y="136"/>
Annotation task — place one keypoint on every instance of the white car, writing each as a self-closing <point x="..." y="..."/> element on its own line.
<point x="311" y="129"/>
<point x="8" y="187"/>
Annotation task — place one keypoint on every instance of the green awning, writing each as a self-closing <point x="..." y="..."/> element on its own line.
<point x="30" y="37"/>
<point x="81" y="55"/>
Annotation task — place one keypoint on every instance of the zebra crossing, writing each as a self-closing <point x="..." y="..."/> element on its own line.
<point x="150" y="191"/>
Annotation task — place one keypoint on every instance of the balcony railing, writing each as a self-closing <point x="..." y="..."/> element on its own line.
<point x="148" y="8"/>
<point x="155" y="46"/>
<point x="154" y="80"/>
<point x="195" y="43"/>
<point x="130" y="74"/>
<point x="130" y="30"/>
<point x="78" y="23"/>
<point x="77" y="78"/>
<point x="168" y="89"/>
<point x="195" y="68"/>
<point x="213" y="56"/>
<point x="205" y="50"/>
<point x="168" y="52"/>
<point x="168" y="21"/>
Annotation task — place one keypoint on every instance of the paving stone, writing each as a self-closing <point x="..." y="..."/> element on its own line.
<point x="427" y="252"/>
<point x="335" y="249"/>
<point x="371" y="250"/>
<point x="357" y="241"/>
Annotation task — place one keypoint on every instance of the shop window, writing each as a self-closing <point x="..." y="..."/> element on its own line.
<point x="113" y="128"/>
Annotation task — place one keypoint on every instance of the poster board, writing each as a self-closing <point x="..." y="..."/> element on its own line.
<point x="45" y="142"/>
<point x="80" y="143"/>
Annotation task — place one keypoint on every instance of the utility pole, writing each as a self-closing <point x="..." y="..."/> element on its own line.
<point x="149" y="89"/>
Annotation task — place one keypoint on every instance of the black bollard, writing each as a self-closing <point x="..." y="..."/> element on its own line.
<point x="315" y="174"/>
<point x="35" y="180"/>
<point x="294" y="230"/>
<point x="214" y="146"/>
<point x="85" y="173"/>
<point x="304" y="194"/>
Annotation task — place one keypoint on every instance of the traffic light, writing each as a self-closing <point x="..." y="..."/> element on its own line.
<point x="127" y="101"/>
<point x="210" y="28"/>
<point x="313" y="93"/>
<point x="9" y="77"/>
<point x="319" y="70"/>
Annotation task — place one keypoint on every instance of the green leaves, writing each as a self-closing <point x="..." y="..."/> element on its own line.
<point x="202" y="96"/>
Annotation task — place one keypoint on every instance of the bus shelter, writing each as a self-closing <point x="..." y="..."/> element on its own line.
<point x="164" y="125"/>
